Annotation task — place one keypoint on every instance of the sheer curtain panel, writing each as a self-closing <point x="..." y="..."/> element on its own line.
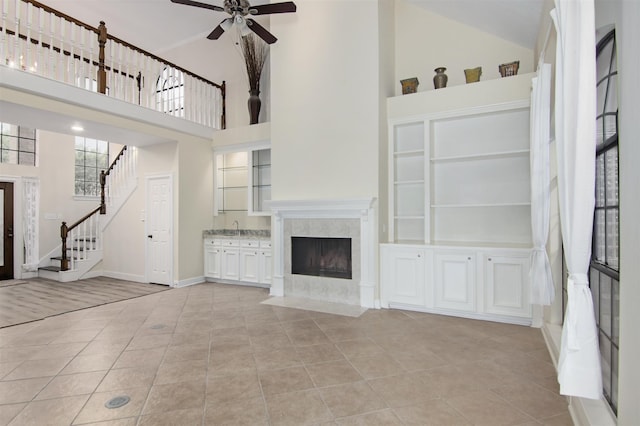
<point x="579" y="371"/>
<point x="540" y="272"/>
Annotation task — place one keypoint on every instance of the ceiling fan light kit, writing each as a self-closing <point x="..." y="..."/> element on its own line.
<point x="239" y="9"/>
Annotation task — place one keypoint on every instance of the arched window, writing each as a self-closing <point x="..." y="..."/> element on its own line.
<point x="170" y="92"/>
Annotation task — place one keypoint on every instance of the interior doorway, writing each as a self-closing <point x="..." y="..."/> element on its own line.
<point x="159" y="227"/>
<point x="6" y="224"/>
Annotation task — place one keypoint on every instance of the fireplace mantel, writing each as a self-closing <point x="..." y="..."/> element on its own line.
<point x="362" y="209"/>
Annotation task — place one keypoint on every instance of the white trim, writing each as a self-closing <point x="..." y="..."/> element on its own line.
<point x="362" y="209"/>
<point x="124" y="276"/>
<point x="508" y="319"/>
<point x="147" y="178"/>
<point x="188" y="282"/>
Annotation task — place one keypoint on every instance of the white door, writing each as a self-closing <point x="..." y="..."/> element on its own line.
<point x="249" y="265"/>
<point x="159" y="225"/>
<point x="507" y="289"/>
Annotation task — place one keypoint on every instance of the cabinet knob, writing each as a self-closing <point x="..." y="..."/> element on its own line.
<point x="489" y="259"/>
<point x="418" y="255"/>
<point x="468" y="258"/>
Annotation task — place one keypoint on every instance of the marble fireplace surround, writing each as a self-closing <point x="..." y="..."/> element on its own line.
<point x="352" y="218"/>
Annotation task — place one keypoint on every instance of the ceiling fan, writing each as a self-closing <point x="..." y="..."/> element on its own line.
<point x="239" y="9"/>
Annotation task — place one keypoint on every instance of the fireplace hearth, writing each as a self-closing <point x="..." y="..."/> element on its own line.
<point x="321" y="257"/>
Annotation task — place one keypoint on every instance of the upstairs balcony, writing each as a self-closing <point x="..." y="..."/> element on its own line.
<point x="37" y="39"/>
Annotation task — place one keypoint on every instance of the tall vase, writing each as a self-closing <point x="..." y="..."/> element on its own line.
<point x="254" y="104"/>
<point x="440" y="79"/>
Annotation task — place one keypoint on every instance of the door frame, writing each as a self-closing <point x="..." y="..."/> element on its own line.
<point x="147" y="179"/>
<point x="18" y="273"/>
<point x="10" y="266"/>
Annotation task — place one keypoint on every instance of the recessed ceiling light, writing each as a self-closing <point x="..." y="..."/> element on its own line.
<point x="77" y="128"/>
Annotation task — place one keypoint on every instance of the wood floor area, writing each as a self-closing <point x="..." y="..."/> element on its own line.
<point x="35" y="299"/>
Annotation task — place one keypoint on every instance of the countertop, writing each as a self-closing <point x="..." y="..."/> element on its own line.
<point x="240" y="233"/>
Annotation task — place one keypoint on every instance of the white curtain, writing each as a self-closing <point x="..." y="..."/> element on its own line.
<point x="542" y="291"/>
<point x="30" y="220"/>
<point x="579" y="371"/>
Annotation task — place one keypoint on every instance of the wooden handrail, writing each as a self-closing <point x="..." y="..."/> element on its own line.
<point x="115" y="160"/>
<point x="124" y="43"/>
<point x="64" y="232"/>
<point x="103" y="180"/>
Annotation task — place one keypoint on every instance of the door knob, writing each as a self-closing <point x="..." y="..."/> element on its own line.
<point x="149" y="236"/>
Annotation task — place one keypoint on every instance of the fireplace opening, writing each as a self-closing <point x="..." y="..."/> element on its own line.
<point x="321" y="257"/>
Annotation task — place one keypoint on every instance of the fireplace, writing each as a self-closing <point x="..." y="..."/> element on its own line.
<point x="321" y="257"/>
<point x="346" y="221"/>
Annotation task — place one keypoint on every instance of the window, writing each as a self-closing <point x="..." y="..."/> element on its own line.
<point x="170" y="92"/>
<point x="92" y="156"/>
<point x="18" y="145"/>
<point x="605" y="250"/>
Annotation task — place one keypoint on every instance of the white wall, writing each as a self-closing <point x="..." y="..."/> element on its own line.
<point x="56" y="172"/>
<point x="324" y="106"/>
<point x="219" y="60"/>
<point x="627" y="36"/>
<point x="425" y="41"/>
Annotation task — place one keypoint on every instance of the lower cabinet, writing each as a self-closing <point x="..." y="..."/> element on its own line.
<point x="249" y="265"/>
<point x="403" y="272"/>
<point x="245" y="261"/>
<point x="455" y="281"/>
<point x="474" y="282"/>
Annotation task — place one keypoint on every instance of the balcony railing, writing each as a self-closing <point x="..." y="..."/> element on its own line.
<point x="38" y="39"/>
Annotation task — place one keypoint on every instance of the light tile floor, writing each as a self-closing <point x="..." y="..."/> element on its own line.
<point x="212" y="354"/>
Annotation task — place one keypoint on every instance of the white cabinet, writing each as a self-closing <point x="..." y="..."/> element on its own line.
<point x="212" y="258"/>
<point x="265" y="262"/>
<point x="459" y="194"/>
<point x="507" y="285"/>
<point x="403" y="274"/>
<point x="249" y="261"/>
<point x="472" y="282"/>
<point x="238" y="260"/>
<point x="243" y="181"/>
<point x="455" y="281"/>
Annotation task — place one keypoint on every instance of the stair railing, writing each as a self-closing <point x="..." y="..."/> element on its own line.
<point x="85" y="235"/>
<point x="79" y="239"/>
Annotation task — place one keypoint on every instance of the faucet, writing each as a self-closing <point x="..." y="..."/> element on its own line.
<point x="237" y="225"/>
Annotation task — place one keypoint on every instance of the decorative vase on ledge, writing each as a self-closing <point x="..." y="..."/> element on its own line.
<point x="254" y="104"/>
<point x="440" y="79"/>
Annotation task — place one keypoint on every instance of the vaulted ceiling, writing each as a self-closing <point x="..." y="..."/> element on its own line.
<point x="157" y="25"/>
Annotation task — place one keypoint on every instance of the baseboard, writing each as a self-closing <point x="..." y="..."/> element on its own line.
<point x="188" y="282"/>
<point x="583" y="411"/>
<point x="123" y="276"/>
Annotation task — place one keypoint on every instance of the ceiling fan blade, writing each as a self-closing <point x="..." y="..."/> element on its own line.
<point x="261" y="32"/>
<point x="265" y="9"/>
<point x="198" y="4"/>
<point x="216" y="33"/>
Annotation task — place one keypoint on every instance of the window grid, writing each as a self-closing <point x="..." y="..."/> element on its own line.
<point x="91" y="157"/>
<point x="17" y="144"/>
<point x="605" y="253"/>
<point x="170" y="92"/>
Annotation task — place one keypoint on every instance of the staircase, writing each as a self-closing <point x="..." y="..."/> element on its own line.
<point x="82" y="242"/>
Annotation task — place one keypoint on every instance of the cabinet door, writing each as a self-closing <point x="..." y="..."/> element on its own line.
<point x="507" y="285"/>
<point x="403" y="275"/>
<point x="265" y="266"/>
<point x="212" y="262"/>
<point x="230" y="265"/>
<point x="455" y="281"/>
<point x="249" y="265"/>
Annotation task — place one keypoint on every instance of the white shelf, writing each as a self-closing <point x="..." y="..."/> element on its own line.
<point x="484" y="156"/>
<point x="457" y="206"/>
<point x="414" y="153"/>
<point x="480" y="244"/>
<point x="409" y="182"/>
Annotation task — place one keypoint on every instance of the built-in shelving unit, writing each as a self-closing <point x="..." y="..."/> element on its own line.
<point x="260" y="181"/>
<point x="459" y="202"/>
<point x="231" y="181"/>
